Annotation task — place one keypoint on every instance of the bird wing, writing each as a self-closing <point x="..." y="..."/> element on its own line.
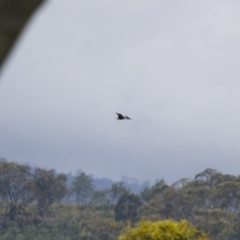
<point x="128" y="118"/>
<point x="120" y="115"/>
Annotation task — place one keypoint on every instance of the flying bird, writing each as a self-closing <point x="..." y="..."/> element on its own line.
<point x="121" y="117"/>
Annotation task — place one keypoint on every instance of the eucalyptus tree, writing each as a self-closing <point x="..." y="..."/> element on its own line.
<point x="117" y="190"/>
<point x="101" y="198"/>
<point x="127" y="206"/>
<point x="82" y="187"/>
<point x="49" y="187"/>
<point x="146" y="192"/>
<point x="14" y="186"/>
<point x="228" y="194"/>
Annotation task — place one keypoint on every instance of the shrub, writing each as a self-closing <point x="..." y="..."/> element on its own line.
<point x="163" y="230"/>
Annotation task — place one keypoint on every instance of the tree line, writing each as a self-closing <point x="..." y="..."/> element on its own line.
<point x="40" y="200"/>
<point x="21" y="185"/>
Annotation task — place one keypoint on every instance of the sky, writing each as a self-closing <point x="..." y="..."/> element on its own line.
<point x="171" y="66"/>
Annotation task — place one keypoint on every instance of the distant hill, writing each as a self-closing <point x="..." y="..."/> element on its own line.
<point x="105" y="183"/>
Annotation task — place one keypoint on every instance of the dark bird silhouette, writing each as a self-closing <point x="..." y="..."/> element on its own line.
<point x="121" y="117"/>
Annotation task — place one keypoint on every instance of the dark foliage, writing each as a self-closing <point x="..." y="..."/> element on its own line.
<point x="38" y="204"/>
<point x="126" y="207"/>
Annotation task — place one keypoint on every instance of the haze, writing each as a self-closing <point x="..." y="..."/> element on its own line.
<point x="171" y="66"/>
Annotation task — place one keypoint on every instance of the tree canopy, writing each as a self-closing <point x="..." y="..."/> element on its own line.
<point x="40" y="202"/>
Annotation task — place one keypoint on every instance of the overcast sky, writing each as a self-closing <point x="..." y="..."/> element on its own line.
<point x="171" y="66"/>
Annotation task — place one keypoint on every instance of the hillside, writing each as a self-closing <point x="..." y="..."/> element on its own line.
<point x="38" y="203"/>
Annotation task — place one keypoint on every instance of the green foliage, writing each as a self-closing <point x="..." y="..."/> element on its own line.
<point x="82" y="187"/>
<point x="163" y="230"/>
<point x="146" y="192"/>
<point x="14" y="187"/>
<point x="126" y="207"/>
<point x="116" y="191"/>
<point x="48" y="188"/>
<point x="31" y="205"/>
<point x="101" y="229"/>
<point x="101" y="198"/>
<point x="67" y="222"/>
<point x="210" y="202"/>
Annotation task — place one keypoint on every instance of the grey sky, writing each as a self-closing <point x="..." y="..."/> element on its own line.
<point x="172" y="66"/>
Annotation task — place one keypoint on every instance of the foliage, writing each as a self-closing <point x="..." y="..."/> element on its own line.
<point x="49" y="188"/>
<point x="38" y="204"/>
<point x="82" y="187"/>
<point x="163" y="230"/>
<point x="116" y="191"/>
<point x="126" y="207"/>
<point x="13" y="186"/>
<point x="100" y="198"/>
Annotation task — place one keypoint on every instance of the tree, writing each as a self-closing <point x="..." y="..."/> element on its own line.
<point x="146" y="192"/>
<point x="82" y="187"/>
<point x="49" y="188"/>
<point x="126" y="207"/>
<point x="14" y="186"/>
<point x="163" y="230"/>
<point x="209" y="176"/>
<point x="100" y="229"/>
<point x="117" y="190"/>
<point x="100" y="197"/>
<point x="220" y="224"/>
<point x="228" y="194"/>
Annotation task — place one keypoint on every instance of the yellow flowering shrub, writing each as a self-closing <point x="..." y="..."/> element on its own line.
<point x="163" y="230"/>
